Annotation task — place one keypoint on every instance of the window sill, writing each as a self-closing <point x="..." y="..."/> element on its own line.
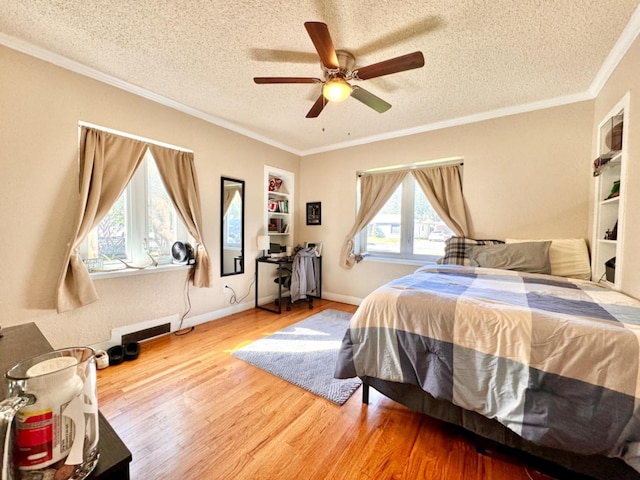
<point x="404" y="261"/>
<point x="128" y="272"/>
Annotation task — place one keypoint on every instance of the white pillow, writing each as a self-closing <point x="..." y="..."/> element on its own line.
<point x="569" y="257"/>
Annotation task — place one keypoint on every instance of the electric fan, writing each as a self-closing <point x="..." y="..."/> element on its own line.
<point x="182" y="252"/>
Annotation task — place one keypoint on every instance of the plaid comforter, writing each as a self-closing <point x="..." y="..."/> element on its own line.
<point x="553" y="359"/>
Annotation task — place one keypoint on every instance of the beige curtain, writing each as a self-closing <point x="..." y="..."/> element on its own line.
<point x="229" y="193"/>
<point x="443" y="188"/>
<point x="107" y="163"/>
<point x="178" y="172"/>
<point x="375" y="190"/>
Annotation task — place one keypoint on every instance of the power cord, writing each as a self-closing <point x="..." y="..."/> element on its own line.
<point x="234" y="300"/>
<point x="179" y="332"/>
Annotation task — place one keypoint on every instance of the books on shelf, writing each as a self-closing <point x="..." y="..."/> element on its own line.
<point x="278" y="206"/>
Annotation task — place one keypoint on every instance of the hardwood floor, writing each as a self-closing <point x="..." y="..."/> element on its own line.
<point x="189" y="410"/>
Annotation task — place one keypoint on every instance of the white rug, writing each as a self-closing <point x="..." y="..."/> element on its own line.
<point x="305" y="354"/>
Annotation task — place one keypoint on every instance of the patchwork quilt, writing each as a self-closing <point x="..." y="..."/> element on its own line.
<point x="555" y="360"/>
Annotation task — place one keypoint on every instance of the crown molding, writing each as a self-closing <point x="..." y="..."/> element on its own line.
<point x="455" y="122"/>
<point x="68" y="64"/>
<point x="617" y="53"/>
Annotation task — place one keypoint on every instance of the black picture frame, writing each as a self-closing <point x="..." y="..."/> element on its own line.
<point x="314" y="213"/>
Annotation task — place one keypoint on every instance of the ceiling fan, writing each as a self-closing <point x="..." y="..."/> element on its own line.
<point x="338" y="67"/>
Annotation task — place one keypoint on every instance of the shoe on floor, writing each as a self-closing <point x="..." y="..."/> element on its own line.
<point x="116" y="355"/>
<point x="131" y="350"/>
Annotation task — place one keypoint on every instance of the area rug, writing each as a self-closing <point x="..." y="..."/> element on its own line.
<point x="305" y="354"/>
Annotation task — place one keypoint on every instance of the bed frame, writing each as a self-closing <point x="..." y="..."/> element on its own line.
<point x="489" y="435"/>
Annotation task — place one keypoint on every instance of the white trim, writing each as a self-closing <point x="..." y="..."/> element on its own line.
<point x="455" y="122"/>
<point x="337" y="297"/>
<point x="129" y="272"/>
<point x="621" y="47"/>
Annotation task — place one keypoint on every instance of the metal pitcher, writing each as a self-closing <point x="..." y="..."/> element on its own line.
<point x="49" y="420"/>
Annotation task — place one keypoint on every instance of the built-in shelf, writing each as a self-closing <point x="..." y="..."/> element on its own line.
<point x="279" y="206"/>
<point x="609" y="212"/>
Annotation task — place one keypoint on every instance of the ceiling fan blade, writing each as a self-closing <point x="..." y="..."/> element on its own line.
<point x="317" y="107"/>
<point x="263" y="80"/>
<point x="319" y="33"/>
<point x="369" y="99"/>
<point x="393" y="65"/>
<point x="282" y="56"/>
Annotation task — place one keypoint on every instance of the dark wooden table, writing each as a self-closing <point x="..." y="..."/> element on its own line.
<point x="25" y="341"/>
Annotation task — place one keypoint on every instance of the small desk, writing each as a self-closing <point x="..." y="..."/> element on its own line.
<point x="281" y="263"/>
<point x="25" y="341"/>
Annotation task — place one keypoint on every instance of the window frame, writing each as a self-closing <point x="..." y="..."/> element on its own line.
<point x="407" y="212"/>
<point x="137" y="225"/>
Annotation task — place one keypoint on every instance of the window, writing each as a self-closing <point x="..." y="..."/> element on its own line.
<point x="406" y="227"/>
<point x="143" y="223"/>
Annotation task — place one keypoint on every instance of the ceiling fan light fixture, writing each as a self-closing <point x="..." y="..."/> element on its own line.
<point x="336" y="89"/>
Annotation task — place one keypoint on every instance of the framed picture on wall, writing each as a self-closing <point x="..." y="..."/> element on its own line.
<point x="314" y="213"/>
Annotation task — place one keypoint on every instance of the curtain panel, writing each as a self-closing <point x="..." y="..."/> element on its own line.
<point x="178" y="171"/>
<point x="443" y="188"/>
<point x="106" y="165"/>
<point x="441" y="185"/>
<point x="376" y="189"/>
<point x="228" y="194"/>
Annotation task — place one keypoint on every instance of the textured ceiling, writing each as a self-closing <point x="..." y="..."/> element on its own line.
<point x="482" y="57"/>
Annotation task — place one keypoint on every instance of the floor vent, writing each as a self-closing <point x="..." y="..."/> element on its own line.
<point x="146" y="333"/>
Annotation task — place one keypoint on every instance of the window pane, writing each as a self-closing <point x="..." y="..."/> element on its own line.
<point x="162" y="217"/>
<point x="383" y="233"/>
<point x="407" y="226"/>
<point x="429" y="232"/>
<point x="108" y="241"/>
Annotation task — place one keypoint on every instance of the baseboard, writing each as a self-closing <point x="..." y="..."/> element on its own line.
<point x="216" y="315"/>
<point x="162" y="326"/>
<point x="152" y="328"/>
<point x="336" y="297"/>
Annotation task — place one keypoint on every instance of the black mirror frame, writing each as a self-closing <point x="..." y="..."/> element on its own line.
<point x="238" y="262"/>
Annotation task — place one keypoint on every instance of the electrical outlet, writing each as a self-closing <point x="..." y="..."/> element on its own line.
<point x="226" y="289"/>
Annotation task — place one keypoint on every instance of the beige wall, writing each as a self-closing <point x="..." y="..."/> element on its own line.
<point x="525" y="175"/>
<point x="40" y="107"/>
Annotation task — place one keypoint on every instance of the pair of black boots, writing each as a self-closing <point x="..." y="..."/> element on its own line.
<point x="119" y="353"/>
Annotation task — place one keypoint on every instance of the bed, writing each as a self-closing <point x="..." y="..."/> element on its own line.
<point x="543" y="363"/>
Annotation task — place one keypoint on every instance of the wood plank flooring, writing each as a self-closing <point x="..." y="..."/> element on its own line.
<point x="189" y="410"/>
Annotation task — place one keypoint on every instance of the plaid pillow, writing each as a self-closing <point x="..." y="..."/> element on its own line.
<point x="455" y="250"/>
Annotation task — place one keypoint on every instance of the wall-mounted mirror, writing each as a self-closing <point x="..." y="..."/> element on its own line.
<point x="232" y="226"/>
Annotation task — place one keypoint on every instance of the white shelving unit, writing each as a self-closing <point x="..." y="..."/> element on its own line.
<point x="609" y="211"/>
<point x="279" y="197"/>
